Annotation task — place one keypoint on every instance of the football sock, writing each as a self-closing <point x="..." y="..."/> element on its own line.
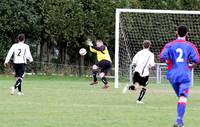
<point x="104" y="80"/>
<point x="18" y="83"/>
<point x="132" y="87"/>
<point x="142" y="93"/>
<point x="180" y="112"/>
<point x="94" y="76"/>
<point x="20" y="87"/>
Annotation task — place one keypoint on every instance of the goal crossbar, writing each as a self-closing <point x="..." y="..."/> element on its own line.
<point x="117" y="30"/>
<point x="157" y="11"/>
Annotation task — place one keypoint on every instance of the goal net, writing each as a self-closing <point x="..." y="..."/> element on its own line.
<point x="133" y="26"/>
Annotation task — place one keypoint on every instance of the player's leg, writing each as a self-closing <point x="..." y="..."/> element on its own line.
<point x="136" y="81"/>
<point x="21" y="75"/>
<point x="12" y="89"/>
<point x="105" y="66"/>
<point x="20" y="78"/>
<point x="104" y="80"/>
<point x="175" y="86"/>
<point x="181" y="106"/>
<point x="143" y="83"/>
<point x="177" y="89"/>
<point x="19" y="83"/>
<point x="141" y="95"/>
<point x="94" y="74"/>
<point x="20" y="69"/>
<point x="135" y="85"/>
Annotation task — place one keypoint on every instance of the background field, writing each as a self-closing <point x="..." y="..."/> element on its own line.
<point x="70" y="102"/>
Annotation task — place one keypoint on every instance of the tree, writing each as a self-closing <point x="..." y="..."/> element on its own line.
<point x="16" y="16"/>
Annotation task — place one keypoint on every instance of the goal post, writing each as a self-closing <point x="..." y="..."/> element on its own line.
<point x="117" y="18"/>
<point x="132" y="26"/>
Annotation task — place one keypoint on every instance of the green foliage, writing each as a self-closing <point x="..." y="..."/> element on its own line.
<point x="4" y="45"/>
<point x="18" y="16"/>
<point x="68" y="23"/>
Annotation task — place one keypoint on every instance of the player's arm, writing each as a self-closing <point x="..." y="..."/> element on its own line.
<point x="195" y="57"/>
<point x="152" y="61"/>
<point x="89" y="43"/>
<point x="99" y="48"/>
<point x="28" y="55"/>
<point x="135" y="59"/>
<point x="192" y="65"/>
<point x="164" y="54"/>
<point x="9" y="55"/>
<point x="93" y="50"/>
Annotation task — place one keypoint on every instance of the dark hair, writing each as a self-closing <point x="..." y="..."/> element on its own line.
<point x="146" y="44"/>
<point x="21" y="37"/>
<point x="182" y="31"/>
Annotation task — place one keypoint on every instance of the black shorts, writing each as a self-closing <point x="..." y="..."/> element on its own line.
<point x="19" y="70"/>
<point x="104" y="66"/>
<point x="143" y="81"/>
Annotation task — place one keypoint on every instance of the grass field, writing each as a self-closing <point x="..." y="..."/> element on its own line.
<point x="71" y="102"/>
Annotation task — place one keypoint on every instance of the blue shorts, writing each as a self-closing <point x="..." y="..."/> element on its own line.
<point x="180" y="82"/>
<point x="181" y="89"/>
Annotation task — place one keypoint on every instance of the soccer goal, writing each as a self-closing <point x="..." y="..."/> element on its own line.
<point x="133" y="26"/>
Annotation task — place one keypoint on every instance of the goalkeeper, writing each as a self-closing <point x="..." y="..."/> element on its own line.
<point x="104" y="63"/>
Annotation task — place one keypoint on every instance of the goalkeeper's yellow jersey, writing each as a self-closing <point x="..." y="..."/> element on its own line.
<point x="101" y="54"/>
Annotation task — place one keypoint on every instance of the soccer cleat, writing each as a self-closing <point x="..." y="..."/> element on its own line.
<point x="93" y="83"/>
<point x="105" y="86"/>
<point x="12" y="90"/>
<point x="20" y="94"/>
<point x="125" y="89"/>
<point x="139" y="102"/>
<point x="176" y="125"/>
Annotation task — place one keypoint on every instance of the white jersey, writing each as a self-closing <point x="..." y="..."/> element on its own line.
<point x="143" y="60"/>
<point x="21" y="52"/>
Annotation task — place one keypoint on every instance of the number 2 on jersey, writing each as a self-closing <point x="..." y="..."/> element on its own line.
<point x="180" y="56"/>
<point x="19" y="52"/>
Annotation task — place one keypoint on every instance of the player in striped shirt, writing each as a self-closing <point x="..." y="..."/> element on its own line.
<point x="20" y="52"/>
<point x="104" y="63"/>
<point x="143" y="61"/>
<point x="181" y="56"/>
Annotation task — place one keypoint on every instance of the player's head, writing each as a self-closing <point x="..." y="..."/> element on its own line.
<point x="21" y="38"/>
<point x="99" y="43"/>
<point x="182" y="31"/>
<point x="146" y="44"/>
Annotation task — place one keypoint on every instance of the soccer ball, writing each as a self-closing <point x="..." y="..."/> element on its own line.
<point x="82" y="51"/>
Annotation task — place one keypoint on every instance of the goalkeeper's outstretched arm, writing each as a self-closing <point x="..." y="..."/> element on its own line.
<point x="90" y="44"/>
<point x="93" y="50"/>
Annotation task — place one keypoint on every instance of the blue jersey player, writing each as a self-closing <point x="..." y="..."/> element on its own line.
<point x="181" y="56"/>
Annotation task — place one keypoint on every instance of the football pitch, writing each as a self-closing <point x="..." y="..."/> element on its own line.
<point x="52" y="101"/>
